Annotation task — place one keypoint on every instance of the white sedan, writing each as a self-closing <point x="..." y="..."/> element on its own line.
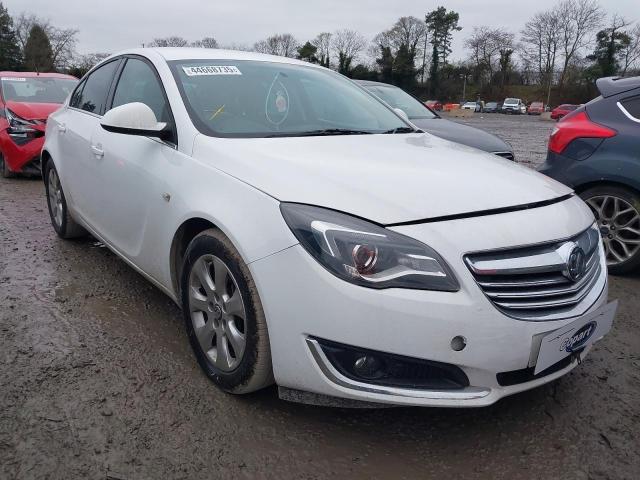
<point x="314" y="238"/>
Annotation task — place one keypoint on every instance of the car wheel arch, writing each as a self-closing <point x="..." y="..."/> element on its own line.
<point x="604" y="183"/>
<point x="45" y="157"/>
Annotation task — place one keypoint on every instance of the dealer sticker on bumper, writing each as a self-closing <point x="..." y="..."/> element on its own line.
<point x="574" y="336"/>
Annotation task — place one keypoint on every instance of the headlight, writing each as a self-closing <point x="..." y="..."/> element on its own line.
<point x="366" y="254"/>
<point x="18" y="126"/>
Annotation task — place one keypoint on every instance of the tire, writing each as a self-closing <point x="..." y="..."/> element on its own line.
<point x="212" y="326"/>
<point x="4" y="169"/>
<point x="619" y="221"/>
<point x="61" y="220"/>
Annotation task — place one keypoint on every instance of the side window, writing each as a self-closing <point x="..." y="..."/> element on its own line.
<point x="139" y="83"/>
<point x="93" y="96"/>
<point x="77" y="96"/>
<point x="632" y="105"/>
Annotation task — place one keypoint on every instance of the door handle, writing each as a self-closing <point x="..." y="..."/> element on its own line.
<point x="62" y="127"/>
<point x="97" y="151"/>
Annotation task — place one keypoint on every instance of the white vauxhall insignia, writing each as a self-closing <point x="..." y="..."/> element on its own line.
<point x="314" y="238"/>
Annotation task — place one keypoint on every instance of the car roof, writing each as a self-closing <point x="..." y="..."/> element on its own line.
<point x="35" y="74"/>
<point x="191" y="53"/>
<point x="371" y="83"/>
<point x="609" y="86"/>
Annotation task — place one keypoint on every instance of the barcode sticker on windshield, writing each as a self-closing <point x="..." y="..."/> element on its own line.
<point x="13" y="79"/>
<point x="212" y="70"/>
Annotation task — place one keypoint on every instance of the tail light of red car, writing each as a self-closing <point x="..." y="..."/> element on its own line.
<point x="577" y="125"/>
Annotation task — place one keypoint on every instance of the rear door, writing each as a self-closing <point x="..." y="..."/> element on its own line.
<point x="75" y="126"/>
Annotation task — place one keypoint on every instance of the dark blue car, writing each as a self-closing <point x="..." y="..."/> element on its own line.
<point x="596" y="151"/>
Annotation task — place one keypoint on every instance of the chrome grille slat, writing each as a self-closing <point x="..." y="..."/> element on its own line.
<point x="574" y="299"/>
<point x="534" y="283"/>
<point x="528" y="293"/>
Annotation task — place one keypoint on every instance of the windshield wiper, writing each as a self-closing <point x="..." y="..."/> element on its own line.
<point x="403" y="130"/>
<point x="319" y="133"/>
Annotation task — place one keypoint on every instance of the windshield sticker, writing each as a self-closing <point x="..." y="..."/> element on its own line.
<point x="211" y="70"/>
<point x="277" y="102"/>
<point x="13" y="79"/>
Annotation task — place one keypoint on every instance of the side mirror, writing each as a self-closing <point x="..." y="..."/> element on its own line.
<point x="401" y="113"/>
<point x="134" y="119"/>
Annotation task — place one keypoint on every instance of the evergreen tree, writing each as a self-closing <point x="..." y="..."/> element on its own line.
<point x="38" y="55"/>
<point x="385" y="63"/>
<point x="440" y="24"/>
<point x="610" y="43"/>
<point x="307" y="52"/>
<point x="10" y="57"/>
<point x="404" y="69"/>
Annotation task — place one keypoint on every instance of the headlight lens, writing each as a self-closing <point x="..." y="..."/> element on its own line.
<point x="366" y="254"/>
<point x="18" y="126"/>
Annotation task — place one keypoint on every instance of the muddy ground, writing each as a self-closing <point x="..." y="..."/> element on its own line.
<point x="97" y="381"/>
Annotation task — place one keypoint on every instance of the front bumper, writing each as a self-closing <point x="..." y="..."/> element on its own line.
<point x="21" y="156"/>
<point x="303" y="301"/>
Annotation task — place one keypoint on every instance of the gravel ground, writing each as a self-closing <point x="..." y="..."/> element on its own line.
<point x="97" y="381"/>
<point x="528" y="135"/>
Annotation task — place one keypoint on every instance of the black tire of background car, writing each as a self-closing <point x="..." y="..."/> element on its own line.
<point x="69" y="228"/>
<point x="632" y="198"/>
<point x="4" y="169"/>
<point x="255" y="369"/>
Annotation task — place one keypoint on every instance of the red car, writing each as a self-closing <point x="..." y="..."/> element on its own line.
<point x="536" y="108"/>
<point x="434" y="105"/>
<point x="565" y="109"/>
<point x="26" y="100"/>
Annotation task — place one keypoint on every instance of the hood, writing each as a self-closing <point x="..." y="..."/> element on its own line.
<point x="464" y="134"/>
<point x="384" y="178"/>
<point x="33" y="111"/>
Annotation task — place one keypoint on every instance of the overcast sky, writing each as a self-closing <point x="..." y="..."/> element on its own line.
<point x="113" y="25"/>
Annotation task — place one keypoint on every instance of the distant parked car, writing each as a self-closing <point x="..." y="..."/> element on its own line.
<point x="450" y="106"/>
<point x="492" y="107"/>
<point x="26" y="100"/>
<point x="562" y="110"/>
<point x="435" y="105"/>
<point x="536" y="108"/>
<point x="431" y="122"/>
<point x="594" y="150"/>
<point x="514" y="105"/>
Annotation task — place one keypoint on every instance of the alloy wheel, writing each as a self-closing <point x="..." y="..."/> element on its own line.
<point x="217" y="312"/>
<point x="619" y="222"/>
<point x="55" y="198"/>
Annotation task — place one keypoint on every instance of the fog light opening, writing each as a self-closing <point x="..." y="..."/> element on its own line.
<point x="458" y="343"/>
<point x="369" y="366"/>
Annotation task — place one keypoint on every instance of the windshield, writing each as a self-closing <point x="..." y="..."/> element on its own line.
<point x="492" y="104"/>
<point x="241" y="98"/>
<point x="37" y="89"/>
<point x="511" y="101"/>
<point x="398" y="98"/>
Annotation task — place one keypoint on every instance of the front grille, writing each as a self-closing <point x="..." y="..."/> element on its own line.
<point x="507" y="155"/>
<point x="539" y="282"/>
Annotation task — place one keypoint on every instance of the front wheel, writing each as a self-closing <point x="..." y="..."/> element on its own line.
<point x="617" y="211"/>
<point x="4" y="169"/>
<point x="223" y="315"/>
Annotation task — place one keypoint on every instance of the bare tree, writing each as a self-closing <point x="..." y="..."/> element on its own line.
<point x="206" y="42"/>
<point x="348" y="43"/>
<point x="577" y="19"/>
<point x="541" y="44"/>
<point x="63" y="40"/>
<point x="168" y="42"/>
<point x="241" y="47"/>
<point x="323" y="43"/>
<point x="631" y="52"/>
<point x="282" y="44"/>
<point x="488" y="46"/>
